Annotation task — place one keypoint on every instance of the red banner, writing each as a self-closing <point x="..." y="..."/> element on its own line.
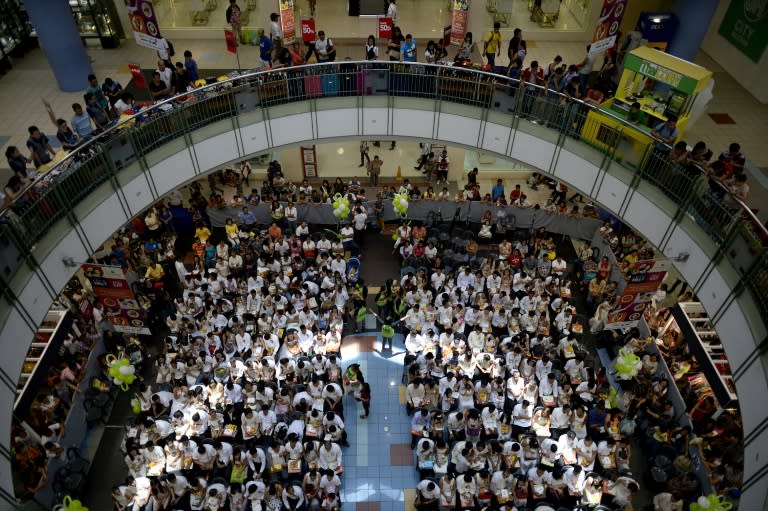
<point x="114" y="292"/>
<point x="146" y="30"/>
<point x="610" y="19"/>
<point x="229" y="37"/>
<point x="308" y="30"/>
<point x="458" y="27"/>
<point x="138" y="76"/>
<point x="287" y="20"/>
<point x="459" y="21"/>
<point x="385" y="27"/>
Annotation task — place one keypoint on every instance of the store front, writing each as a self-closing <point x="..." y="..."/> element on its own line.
<point x="566" y="20"/>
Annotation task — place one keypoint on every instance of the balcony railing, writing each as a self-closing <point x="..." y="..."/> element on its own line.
<point x="534" y="110"/>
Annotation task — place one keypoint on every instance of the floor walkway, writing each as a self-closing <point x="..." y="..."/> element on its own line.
<point x="380" y="473"/>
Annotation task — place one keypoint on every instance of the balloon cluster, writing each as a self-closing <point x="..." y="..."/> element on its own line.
<point x="340" y="206"/>
<point x="387" y="331"/>
<point x="121" y="371"/>
<point x="400" y="202"/>
<point x="627" y="364"/>
<point x="71" y="505"/>
<point x="711" y="502"/>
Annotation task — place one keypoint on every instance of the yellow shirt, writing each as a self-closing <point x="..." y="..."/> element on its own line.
<point x="154" y="272"/>
<point x="232" y="230"/>
<point x="492" y="41"/>
<point x="203" y="233"/>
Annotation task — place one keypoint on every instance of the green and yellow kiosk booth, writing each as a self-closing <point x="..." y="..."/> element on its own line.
<point x="662" y="84"/>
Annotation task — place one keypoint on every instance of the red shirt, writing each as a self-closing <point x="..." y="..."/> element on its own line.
<point x="514" y="261"/>
<point x="529" y="77"/>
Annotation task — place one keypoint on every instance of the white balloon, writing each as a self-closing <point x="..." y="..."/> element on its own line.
<point x="703" y="502"/>
<point x="404" y="204"/>
<point x="129" y="369"/>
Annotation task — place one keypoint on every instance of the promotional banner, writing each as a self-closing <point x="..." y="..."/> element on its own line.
<point x="114" y="292"/>
<point x="229" y="37"/>
<point x="144" y="25"/>
<point x="459" y="21"/>
<point x="308" y="30"/>
<point x="608" y="23"/>
<point x="287" y="20"/>
<point x="138" y="76"/>
<point x="385" y="27"/>
<point x="645" y="279"/>
<point x="744" y="26"/>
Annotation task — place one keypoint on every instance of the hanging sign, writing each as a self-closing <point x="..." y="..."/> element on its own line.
<point x="287" y="20"/>
<point x="459" y="21"/>
<point x="308" y="34"/>
<point x="385" y="26"/>
<point x="744" y="26"/>
<point x="146" y="30"/>
<point x="608" y="23"/>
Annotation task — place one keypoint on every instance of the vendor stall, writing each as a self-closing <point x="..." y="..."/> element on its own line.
<point x="663" y="85"/>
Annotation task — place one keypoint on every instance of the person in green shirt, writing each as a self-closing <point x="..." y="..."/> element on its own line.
<point x="635" y="115"/>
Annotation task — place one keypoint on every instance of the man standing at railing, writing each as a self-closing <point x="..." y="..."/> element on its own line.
<point x="665" y="133"/>
<point x="40" y="149"/>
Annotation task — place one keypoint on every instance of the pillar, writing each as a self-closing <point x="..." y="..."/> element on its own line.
<point x="60" y="40"/>
<point x="695" y="17"/>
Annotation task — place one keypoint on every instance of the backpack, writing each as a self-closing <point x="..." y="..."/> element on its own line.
<point x="171" y="51"/>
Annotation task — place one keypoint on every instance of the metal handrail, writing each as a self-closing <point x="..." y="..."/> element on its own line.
<point x="331" y="68"/>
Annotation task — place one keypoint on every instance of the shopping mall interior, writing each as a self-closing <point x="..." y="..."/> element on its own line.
<point x="149" y="395"/>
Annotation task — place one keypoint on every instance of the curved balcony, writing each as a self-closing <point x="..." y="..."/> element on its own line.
<point x="78" y="204"/>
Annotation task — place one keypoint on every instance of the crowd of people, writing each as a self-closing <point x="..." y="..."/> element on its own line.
<point x="510" y="406"/>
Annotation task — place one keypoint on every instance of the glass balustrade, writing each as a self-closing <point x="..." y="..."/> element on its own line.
<point x="732" y="232"/>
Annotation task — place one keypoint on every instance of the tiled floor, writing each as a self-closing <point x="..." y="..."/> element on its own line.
<point x="379" y="462"/>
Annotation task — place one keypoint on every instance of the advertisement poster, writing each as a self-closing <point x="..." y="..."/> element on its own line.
<point x="287" y="20"/>
<point x="144" y="25"/>
<point x="630" y="306"/>
<point x="114" y="292"/>
<point x="229" y="37"/>
<point x="385" y="27"/>
<point x="608" y="23"/>
<point x="459" y="21"/>
<point x="138" y="76"/>
<point x="308" y="30"/>
<point x="744" y="26"/>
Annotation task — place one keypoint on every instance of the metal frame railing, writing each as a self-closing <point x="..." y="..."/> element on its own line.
<point x="53" y="195"/>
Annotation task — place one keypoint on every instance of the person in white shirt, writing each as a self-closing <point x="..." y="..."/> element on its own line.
<point x="329" y="456"/>
<point x="586" y="451"/>
<point x="521" y="417"/>
<point x="666" y="501"/>
<point x="427" y="492"/>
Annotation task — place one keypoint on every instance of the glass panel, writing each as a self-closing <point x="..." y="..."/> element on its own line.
<point x="532" y="16"/>
<point x="416" y="104"/>
<point x="211" y="130"/>
<point x="470" y="112"/>
<point x="626" y="176"/>
<point x="95" y="198"/>
<point x="301" y="107"/>
<point x="160" y="153"/>
<point x="336" y="103"/>
<point x="754" y="303"/>
<point x="588" y="152"/>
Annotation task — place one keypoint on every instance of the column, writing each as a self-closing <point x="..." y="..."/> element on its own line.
<point x="60" y="40"/>
<point x="695" y="17"/>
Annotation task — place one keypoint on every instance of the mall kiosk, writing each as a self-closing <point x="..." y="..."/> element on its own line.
<point x="663" y="84"/>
